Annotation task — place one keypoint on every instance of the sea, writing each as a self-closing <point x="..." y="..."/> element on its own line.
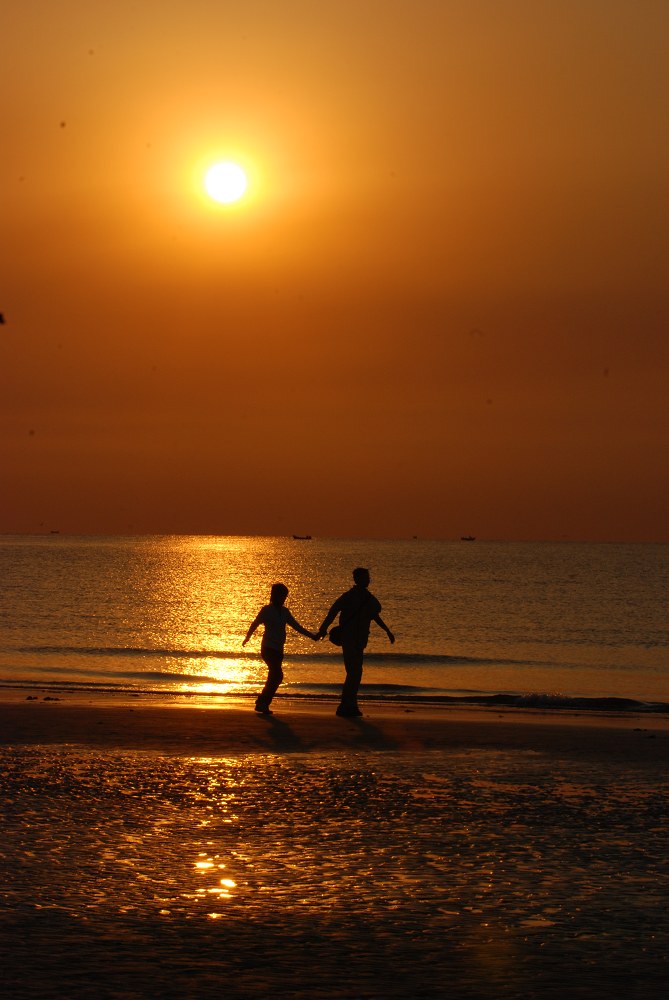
<point x="556" y="626"/>
<point x="375" y="874"/>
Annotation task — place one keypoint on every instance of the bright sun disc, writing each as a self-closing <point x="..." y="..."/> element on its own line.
<point x="225" y="182"/>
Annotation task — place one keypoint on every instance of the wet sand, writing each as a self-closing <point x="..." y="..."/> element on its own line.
<point x="296" y="726"/>
<point x="160" y="850"/>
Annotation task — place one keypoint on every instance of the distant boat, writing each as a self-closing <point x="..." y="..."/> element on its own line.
<point x="467" y="538"/>
<point x="302" y="538"/>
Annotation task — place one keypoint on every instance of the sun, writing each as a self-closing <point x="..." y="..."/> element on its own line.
<point x="226" y="182"/>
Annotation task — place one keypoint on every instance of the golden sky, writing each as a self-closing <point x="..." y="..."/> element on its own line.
<point x="441" y="309"/>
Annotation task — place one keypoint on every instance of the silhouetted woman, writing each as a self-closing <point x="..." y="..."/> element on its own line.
<point x="275" y="618"/>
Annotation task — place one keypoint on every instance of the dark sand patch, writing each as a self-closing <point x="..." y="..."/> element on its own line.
<point x="300" y="728"/>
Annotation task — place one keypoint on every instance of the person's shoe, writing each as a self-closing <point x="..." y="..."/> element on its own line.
<point x="348" y="713"/>
<point x="263" y="710"/>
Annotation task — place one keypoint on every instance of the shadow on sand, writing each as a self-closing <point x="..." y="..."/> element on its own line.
<point x="282" y="735"/>
<point x="371" y="735"/>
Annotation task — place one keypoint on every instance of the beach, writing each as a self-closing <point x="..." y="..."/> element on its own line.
<point x="160" y="849"/>
<point x="172" y="726"/>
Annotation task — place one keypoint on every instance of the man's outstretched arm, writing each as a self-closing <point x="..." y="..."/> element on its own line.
<point x="380" y="622"/>
<point x="329" y="618"/>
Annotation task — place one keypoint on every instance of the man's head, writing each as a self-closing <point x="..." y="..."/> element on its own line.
<point x="361" y="577"/>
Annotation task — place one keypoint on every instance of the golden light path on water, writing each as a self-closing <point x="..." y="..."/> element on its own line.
<point x="201" y="594"/>
<point x="211" y="864"/>
<point x="235" y="675"/>
<point x="199" y="605"/>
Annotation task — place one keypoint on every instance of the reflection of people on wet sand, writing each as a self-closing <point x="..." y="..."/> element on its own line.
<point x="275" y="618"/>
<point x="356" y="608"/>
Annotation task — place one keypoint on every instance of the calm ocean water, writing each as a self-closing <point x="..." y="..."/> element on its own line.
<point x="564" y="626"/>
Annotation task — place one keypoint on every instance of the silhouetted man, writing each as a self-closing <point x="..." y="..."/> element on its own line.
<point x="357" y="608"/>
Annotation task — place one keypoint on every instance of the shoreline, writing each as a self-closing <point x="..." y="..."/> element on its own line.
<point x="311" y="727"/>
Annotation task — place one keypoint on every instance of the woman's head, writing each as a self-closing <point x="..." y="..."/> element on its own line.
<point x="278" y="593"/>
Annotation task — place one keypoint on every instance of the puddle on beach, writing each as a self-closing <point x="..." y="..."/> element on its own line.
<point x="493" y="867"/>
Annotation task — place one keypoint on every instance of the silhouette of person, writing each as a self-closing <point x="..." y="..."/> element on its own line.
<point x="274" y="616"/>
<point x="356" y="608"/>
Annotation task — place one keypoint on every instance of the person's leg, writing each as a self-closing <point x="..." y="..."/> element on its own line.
<point x="273" y="658"/>
<point x="349" y="694"/>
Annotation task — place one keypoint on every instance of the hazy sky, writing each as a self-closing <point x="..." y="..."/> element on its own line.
<point x="442" y="308"/>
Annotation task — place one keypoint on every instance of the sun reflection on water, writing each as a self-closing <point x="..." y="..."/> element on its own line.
<point x="195" y="598"/>
<point x="192" y="611"/>
<point x="217" y="675"/>
<point x="221" y="890"/>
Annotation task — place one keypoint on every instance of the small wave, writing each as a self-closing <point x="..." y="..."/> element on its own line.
<point x="545" y="702"/>
<point x="156" y="683"/>
<point x="553" y="702"/>
<point x="137" y="652"/>
<point x="140" y="677"/>
<point x="385" y="659"/>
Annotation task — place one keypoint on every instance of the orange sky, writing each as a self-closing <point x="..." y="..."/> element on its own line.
<point x="442" y="309"/>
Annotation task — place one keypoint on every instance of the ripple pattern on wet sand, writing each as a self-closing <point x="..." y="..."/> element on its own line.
<point x="481" y="873"/>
